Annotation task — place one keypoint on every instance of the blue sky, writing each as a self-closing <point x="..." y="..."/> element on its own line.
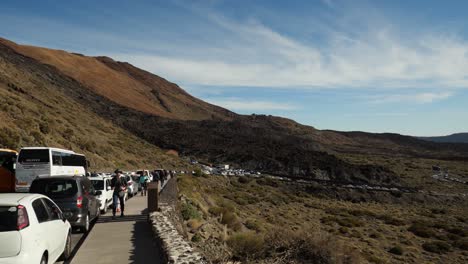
<point x="377" y="66"/>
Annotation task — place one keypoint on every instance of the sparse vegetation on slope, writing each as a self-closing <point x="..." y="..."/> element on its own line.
<point x="34" y="111"/>
<point x="282" y="222"/>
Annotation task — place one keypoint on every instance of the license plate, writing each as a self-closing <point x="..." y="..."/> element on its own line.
<point x="22" y="183"/>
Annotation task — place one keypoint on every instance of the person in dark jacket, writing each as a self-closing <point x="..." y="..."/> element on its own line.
<point x="119" y="185"/>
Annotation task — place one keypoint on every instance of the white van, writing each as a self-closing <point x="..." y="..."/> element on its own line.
<point x="43" y="161"/>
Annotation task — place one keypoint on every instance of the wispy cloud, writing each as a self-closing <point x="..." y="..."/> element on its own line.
<point x="253" y="54"/>
<point x="242" y="104"/>
<point x="419" y="98"/>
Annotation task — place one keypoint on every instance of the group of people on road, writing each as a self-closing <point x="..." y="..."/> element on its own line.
<point x="119" y="186"/>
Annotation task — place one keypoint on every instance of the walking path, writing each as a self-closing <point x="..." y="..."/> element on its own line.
<point x="123" y="240"/>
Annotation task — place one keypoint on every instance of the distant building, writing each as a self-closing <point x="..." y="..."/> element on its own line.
<point x="223" y="166"/>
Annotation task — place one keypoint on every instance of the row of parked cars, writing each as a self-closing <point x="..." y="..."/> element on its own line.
<point x="36" y="227"/>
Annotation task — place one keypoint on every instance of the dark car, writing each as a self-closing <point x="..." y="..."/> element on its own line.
<point x="75" y="195"/>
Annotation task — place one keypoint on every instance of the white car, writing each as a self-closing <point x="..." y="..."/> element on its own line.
<point x="132" y="186"/>
<point x="32" y="230"/>
<point x="103" y="184"/>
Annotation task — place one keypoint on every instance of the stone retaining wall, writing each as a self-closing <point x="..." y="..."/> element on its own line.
<point x="177" y="250"/>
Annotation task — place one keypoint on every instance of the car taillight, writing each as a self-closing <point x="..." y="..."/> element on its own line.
<point x="23" y="219"/>
<point x="79" y="202"/>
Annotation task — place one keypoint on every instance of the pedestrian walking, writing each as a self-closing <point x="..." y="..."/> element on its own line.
<point x="144" y="183"/>
<point x="119" y="185"/>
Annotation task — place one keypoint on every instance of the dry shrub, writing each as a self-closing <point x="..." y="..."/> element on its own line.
<point x="246" y="246"/>
<point x="308" y="247"/>
<point x="231" y="220"/>
<point x="422" y="230"/>
<point x="253" y="225"/>
<point x="194" y="224"/>
<point x="438" y="247"/>
<point x="461" y="244"/>
<point x="172" y="152"/>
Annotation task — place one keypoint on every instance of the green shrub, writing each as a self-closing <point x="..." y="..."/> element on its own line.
<point x="396" y="250"/>
<point x="438" y="247"/>
<point x="268" y="182"/>
<point x="9" y="138"/>
<point x="244" y="180"/>
<point x="461" y="244"/>
<point x="189" y="212"/>
<point x="216" y="210"/>
<point x="253" y="225"/>
<point x="357" y="212"/>
<point x="458" y="231"/>
<point x="422" y="230"/>
<point x="196" y="238"/>
<point x="438" y="211"/>
<point x="246" y="246"/>
<point x="44" y="127"/>
<point x="389" y="220"/>
<point x="198" y="172"/>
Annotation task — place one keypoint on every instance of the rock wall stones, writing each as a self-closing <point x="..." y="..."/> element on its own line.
<point x="177" y="249"/>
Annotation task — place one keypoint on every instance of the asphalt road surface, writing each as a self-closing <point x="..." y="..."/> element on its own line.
<point x="77" y="240"/>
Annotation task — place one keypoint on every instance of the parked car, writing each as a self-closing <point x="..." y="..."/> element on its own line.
<point x="32" y="230"/>
<point x="132" y="186"/>
<point x="136" y="178"/>
<point x="103" y="184"/>
<point x="75" y="195"/>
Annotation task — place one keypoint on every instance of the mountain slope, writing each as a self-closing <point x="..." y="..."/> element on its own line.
<point x="154" y="110"/>
<point x="454" y="138"/>
<point x="36" y="110"/>
<point x="124" y="84"/>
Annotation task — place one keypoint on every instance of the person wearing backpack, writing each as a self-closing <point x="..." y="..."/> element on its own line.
<point x="119" y="185"/>
<point x="144" y="183"/>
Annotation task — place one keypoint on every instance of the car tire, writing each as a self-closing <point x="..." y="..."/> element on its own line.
<point x="85" y="228"/>
<point x="44" y="259"/>
<point x="67" y="250"/>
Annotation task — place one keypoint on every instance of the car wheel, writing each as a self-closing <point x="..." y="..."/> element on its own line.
<point x="67" y="251"/>
<point x="85" y="228"/>
<point x="44" y="259"/>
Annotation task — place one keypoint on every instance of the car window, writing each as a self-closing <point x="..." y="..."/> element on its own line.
<point x="84" y="187"/>
<point x="8" y="218"/>
<point x="54" y="188"/>
<point x="40" y="210"/>
<point x="53" y="210"/>
<point x="98" y="184"/>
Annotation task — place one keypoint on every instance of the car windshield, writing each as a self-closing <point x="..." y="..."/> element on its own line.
<point x="8" y="218"/>
<point x="98" y="184"/>
<point x="56" y="187"/>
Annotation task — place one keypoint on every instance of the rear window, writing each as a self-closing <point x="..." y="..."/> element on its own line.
<point x="34" y="156"/>
<point x="8" y="218"/>
<point x="98" y="184"/>
<point x="56" y="187"/>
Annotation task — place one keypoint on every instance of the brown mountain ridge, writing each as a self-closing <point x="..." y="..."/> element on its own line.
<point x="164" y="115"/>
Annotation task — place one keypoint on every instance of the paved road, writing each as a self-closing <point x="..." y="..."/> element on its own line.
<point x="77" y="240"/>
<point x="123" y="240"/>
<point x="130" y="236"/>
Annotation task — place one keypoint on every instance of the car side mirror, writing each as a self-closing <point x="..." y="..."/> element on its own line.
<point x="109" y="188"/>
<point x="98" y="193"/>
